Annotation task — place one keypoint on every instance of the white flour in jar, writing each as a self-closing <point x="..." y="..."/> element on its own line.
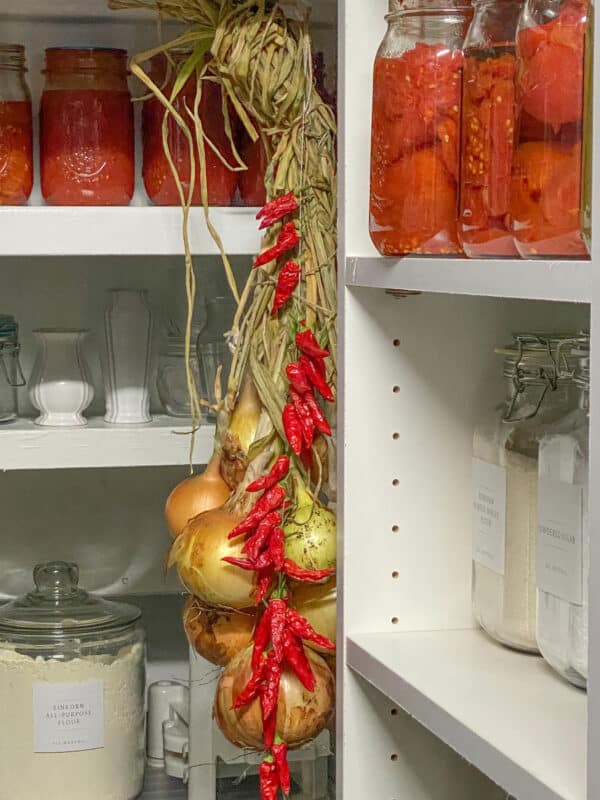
<point x="112" y="772"/>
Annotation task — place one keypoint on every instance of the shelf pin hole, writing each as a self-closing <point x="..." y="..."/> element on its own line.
<point x="395" y="528"/>
<point x="395" y="620"/>
<point x="396" y="389"/>
<point x="395" y="482"/>
<point x="394" y="757"/>
<point x="396" y="343"/>
<point x="395" y="574"/>
<point x="395" y="436"/>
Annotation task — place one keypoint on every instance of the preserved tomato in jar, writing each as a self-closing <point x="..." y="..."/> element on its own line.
<point x="16" y="136"/>
<point x="86" y="128"/>
<point x="251" y="181"/>
<point x="159" y="182"/>
<point x="487" y="129"/>
<point x="546" y="192"/>
<point x="415" y="129"/>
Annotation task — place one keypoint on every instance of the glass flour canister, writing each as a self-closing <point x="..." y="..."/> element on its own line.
<point x="72" y="685"/>
<point x="172" y="379"/>
<point x="563" y="544"/>
<point x="11" y="374"/>
<point x="538" y="369"/>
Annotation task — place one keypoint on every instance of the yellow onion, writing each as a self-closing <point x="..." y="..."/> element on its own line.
<point x="311" y="535"/>
<point x="301" y="715"/>
<point x="198" y="553"/>
<point x="194" y="495"/>
<point x="215" y="634"/>
<point x="240" y="434"/>
<point x="317" y="604"/>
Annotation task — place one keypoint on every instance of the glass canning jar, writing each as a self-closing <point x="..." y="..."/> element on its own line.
<point x="415" y="128"/>
<point x="487" y="129"/>
<point x="11" y="374"/>
<point x="16" y="132"/>
<point x="563" y="545"/>
<point x="86" y="128"/>
<point x="159" y="182"/>
<point x="72" y="668"/>
<point x="538" y="369"/>
<point x="172" y="382"/>
<point x="546" y="205"/>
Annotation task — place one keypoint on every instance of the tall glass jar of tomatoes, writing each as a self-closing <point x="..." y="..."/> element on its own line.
<point x="86" y="128"/>
<point x="159" y="182"/>
<point x="547" y="168"/>
<point x="16" y="139"/>
<point x="487" y="129"/>
<point x="415" y="130"/>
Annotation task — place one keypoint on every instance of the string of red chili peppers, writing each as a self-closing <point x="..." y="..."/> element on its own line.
<point x="278" y="637"/>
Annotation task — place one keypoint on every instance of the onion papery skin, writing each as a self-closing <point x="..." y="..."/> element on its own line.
<point x="194" y="495"/>
<point x="317" y="603"/>
<point x="311" y="537"/>
<point x="216" y="635"/>
<point x="198" y="553"/>
<point x="301" y="715"/>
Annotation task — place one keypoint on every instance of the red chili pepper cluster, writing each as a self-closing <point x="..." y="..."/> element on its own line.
<point x="278" y="637"/>
<point x="288" y="239"/>
<point x="302" y="415"/>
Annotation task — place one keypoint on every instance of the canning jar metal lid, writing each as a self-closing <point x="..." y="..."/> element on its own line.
<point x="547" y="351"/>
<point x="57" y="606"/>
<point x="8" y="327"/>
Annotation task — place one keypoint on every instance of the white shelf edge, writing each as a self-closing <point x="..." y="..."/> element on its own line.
<point x="123" y="231"/>
<point x="24" y="445"/>
<point x="466" y="664"/>
<point x="568" y="281"/>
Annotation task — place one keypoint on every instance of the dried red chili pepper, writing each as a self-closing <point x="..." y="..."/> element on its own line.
<point x="302" y="628"/>
<point x="317" y="378"/>
<point x="270" y="501"/>
<point x="264" y="584"/>
<point x="288" y="239"/>
<point x="270" y="729"/>
<point x="252" y="689"/>
<point x="292" y="570"/>
<point x="296" y="658"/>
<point x="269" y="693"/>
<point x="308" y="345"/>
<point x="277" y="473"/>
<point x="277" y="625"/>
<point x="249" y="564"/>
<point x="287" y="281"/>
<point x="292" y="427"/>
<point x="260" y="539"/>
<point x="317" y="415"/>
<point x="269" y="780"/>
<point x="297" y="378"/>
<point x="277" y="549"/>
<point x="262" y="633"/>
<point x="306" y="418"/>
<point x="283" y="768"/>
<point x="277" y="209"/>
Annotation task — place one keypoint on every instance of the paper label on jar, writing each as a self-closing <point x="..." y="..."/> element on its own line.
<point x="68" y="716"/>
<point x="489" y="515"/>
<point x="559" y="540"/>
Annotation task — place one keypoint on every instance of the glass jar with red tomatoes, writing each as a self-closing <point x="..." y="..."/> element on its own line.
<point x="159" y="181"/>
<point x="251" y="181"/>
<point x="16" y="138"/>
<point x="487" y="129"/>
<point x="86" y="128"/>
<point x="415" y="128"/>
<point x="546" y="194"/>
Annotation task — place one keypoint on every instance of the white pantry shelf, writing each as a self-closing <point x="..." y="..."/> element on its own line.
<point x="123" y="231"/>
<point x="505" y="712"/>
<point x="24" y="445"/>
<point x="567" y="281"/>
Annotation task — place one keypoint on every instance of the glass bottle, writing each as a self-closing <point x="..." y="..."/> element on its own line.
<point x="538" y="369"/>
<point x="159" y="182"/>
<point x="563" y="562"/>
<point x="172" y="379"/>
<point x="487" y="129"/>
<point x="547" y="166"/>
<point x="11" y="374"/>
<point x="73" y="666"/>
<point x="213" y="350"/>
<point x="16" y="133"/>
<point x="415" y="136"/>
<point x="86" y="128"/>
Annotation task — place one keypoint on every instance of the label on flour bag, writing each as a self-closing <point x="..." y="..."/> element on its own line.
<point x="560" y="540"/>
<point x="68" y="716"/>
<point x="489" y="515"/>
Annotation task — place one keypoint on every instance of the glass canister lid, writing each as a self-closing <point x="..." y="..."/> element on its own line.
<point x="8" y="327"/>
<point x="541" y="354"/>
<point x="58" y="607"/>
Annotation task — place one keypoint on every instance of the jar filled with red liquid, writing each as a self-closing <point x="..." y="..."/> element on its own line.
<point x="160" y="184"/>
<point x="487" y="129"/>
<point x="251" y="181"/>
<point x="546" y="193"/>
<point x="16" y="138"/>
<point x="415" y="129"/>
<point x="86" y="128"/>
